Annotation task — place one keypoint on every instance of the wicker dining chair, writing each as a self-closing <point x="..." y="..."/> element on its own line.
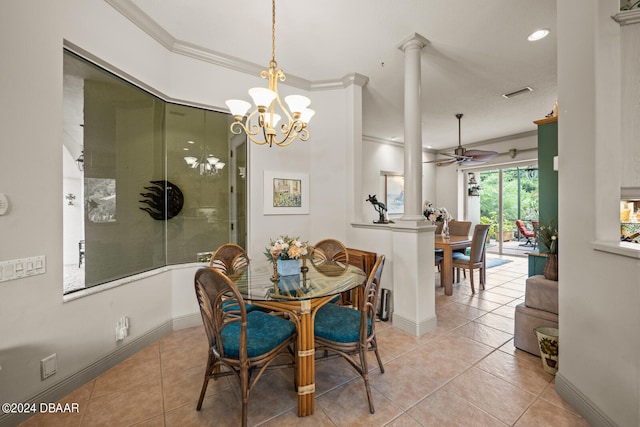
<point x="330" y="250"/>
<point x="351" y="333"/>
<point x="244" y="343"/>
<point x="229" y="258"/>
<point x="476" y="259"/>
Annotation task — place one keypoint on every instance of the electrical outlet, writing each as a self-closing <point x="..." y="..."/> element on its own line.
<point x="48" y="366"/>
<point x="122" y="328"/>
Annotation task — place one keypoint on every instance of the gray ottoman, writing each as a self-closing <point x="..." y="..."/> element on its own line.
<point x="540" y="308"/>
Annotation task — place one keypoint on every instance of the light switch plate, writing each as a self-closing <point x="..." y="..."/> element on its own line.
<point x="23" y="267"/>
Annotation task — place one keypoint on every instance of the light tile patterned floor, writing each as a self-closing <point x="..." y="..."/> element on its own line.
<point x="464" y="373"/>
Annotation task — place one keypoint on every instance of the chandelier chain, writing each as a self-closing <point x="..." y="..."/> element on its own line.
<point x="273" y="33"/>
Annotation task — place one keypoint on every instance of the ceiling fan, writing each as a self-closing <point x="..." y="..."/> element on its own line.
<point x="463" y="156"/>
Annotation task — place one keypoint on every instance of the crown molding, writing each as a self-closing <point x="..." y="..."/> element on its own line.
<point x="627" y="17"/>
<point x="133" y="13"/>
<point x="143" y="21"/>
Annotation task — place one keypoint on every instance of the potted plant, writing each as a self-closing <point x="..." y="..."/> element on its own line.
<point x="492" y="226"/>
<point x="508" y="227"/>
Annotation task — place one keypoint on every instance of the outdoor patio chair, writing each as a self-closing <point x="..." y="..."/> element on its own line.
<point x="529" y="235"/>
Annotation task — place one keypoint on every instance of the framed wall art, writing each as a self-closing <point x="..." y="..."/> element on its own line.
<point x="286" y="193"/>
<point x="394" y="193"/>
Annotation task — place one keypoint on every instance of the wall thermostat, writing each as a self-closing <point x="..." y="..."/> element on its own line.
<point x="4" y="204"/>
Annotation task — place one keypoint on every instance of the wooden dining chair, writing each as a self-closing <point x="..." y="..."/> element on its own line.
<point x="476" y="258"/>
<point x="229" y="258"/>
<point x="350" y="333"/>
<point x="459" y="228"/>
<point x="243" y="344"/>
<point x="329" y="250"/>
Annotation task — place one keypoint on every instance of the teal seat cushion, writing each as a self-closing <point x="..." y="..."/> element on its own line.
<point x="264" y="333"/>
<point x="231" y="305"/>
<point x="459" y="255"/>
<point x="338" y="323"/>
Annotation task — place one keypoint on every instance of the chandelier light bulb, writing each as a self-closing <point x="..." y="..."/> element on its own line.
<point x="191" y="161"/>
<point x="267" y="119"/>
<point x="297" y="103"/>
<point x="238" y="107"/>
<point x="262" y="97"/>
<point x="306" y="115"/>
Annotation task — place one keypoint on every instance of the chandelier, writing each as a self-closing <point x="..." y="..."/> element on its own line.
<point x="206" y="165"/>
<point x="264" y="119"/>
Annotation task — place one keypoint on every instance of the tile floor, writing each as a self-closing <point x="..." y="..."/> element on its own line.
<point x="464" y="373"/>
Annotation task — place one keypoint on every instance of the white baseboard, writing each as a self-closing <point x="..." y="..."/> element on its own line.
<point x="581" y="403"/>
<point x="188" y="321"/>
<point x="413" y="328"/>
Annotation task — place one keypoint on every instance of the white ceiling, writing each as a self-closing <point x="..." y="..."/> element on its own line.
<point x="478" y="51"/>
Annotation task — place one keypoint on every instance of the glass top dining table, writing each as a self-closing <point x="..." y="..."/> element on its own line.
<point x="325" y="279"/>
<point x="300" y="296"/>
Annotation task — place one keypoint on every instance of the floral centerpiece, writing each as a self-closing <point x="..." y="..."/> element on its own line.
<point x="284" y="253"/>
<point x="435" y="214"/>
<point x="285" y="247"/>
<point x="548" y="235"/>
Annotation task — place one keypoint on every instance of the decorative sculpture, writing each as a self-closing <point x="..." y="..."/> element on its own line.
<point x="164" y="200"/>
<point x="381" y="208"/>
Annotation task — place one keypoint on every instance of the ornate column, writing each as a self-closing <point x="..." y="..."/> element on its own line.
<point x="412" y="236"/>
<point x="412" y="47"/>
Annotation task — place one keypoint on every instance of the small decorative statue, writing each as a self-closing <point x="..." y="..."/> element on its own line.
<point x="381" y="208"/>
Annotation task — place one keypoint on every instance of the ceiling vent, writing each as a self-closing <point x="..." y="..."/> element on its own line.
<point x="522" y="91"/>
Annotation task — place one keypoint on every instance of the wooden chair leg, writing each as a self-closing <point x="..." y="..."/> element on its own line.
<point x="473" y="289"/>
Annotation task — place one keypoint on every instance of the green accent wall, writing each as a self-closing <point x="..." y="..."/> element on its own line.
<point x="547" y="177"/>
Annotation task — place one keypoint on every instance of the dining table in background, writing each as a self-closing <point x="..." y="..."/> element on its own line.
<point x="448" y="245"/>
<point x="299" y="295"/>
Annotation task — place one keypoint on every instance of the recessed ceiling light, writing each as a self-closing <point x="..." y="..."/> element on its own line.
<point x="538" y="34"/>
<point x="190" y="142"/>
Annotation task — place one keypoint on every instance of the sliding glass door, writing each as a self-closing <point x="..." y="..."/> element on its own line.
<point x="508" y="194"/>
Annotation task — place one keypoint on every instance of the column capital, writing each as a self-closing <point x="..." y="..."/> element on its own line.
<point x="413" y="40"/>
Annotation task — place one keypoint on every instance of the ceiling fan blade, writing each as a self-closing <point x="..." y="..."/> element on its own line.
<point x="481" y="155"/>
<point x="446" y="162"/>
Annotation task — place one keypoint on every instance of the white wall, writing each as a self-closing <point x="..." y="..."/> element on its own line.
<point x="599" y="292"/>
<point x="35" y="321"/>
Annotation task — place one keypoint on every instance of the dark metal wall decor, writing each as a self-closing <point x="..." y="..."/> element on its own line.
<point x="163" y="197"/>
